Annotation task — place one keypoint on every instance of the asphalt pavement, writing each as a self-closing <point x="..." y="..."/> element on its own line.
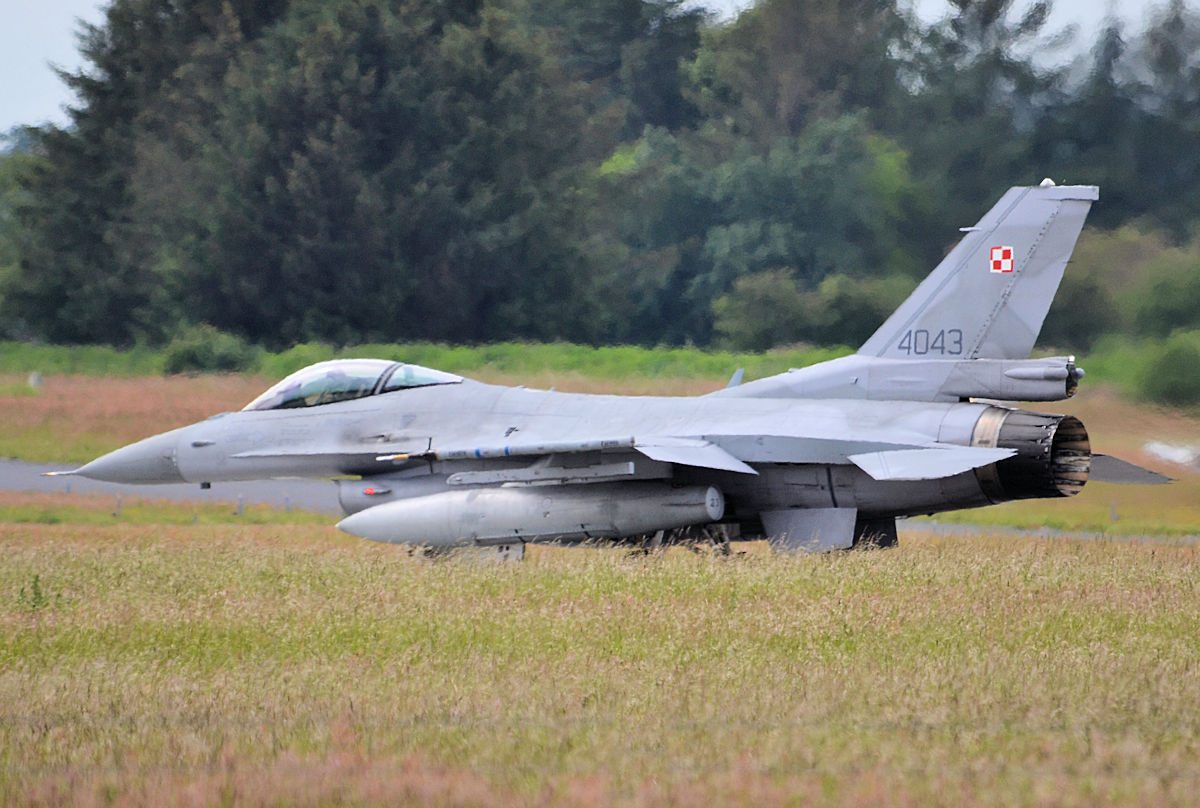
<point x="318" y="496"/>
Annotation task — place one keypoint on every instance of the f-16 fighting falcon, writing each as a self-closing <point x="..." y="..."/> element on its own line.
<point x="820" y="458"/>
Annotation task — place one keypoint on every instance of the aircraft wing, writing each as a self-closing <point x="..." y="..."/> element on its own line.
<point x="884" y="462"/>
<point x="735" y="452"/>
<point x="688" y="451"/>
<point x="692" y="452"/>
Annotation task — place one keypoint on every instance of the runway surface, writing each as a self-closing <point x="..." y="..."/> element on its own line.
<point x="318" y="496"/>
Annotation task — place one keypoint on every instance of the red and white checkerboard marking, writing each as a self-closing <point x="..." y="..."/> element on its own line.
<point x="1002" y="259"/>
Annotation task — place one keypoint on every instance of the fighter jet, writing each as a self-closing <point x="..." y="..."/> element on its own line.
<point x="820" y="458"/>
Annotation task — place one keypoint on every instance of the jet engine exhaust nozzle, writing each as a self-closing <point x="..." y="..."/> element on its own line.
<point x="1053" y="454"/>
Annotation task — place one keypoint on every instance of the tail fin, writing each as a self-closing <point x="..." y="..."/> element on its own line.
<point x="988" y="298"/>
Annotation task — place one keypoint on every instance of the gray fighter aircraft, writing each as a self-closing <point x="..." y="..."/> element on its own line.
<point x="819" y="458"/>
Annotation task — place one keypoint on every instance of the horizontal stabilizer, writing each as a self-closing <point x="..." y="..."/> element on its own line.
<point x="691" y="452"/>
<point x="1109" y="469"/>
<point x="926" y="464"/>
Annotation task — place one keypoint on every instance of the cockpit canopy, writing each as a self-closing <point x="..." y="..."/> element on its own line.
<point x="346" y="379"/>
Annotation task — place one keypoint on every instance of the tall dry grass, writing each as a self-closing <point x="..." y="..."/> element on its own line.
<point x="77" y="418"/>
<point x="271" y="665"/>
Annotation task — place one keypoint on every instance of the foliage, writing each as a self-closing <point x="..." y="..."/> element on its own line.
<point x="204" y="348"/>
<point x="1082" y="311"/>
<point x="781" y="66"/>
<point x="1170" y="296"/>
<point x="1132" y="281"/>
<point x="1163" y="371"/>
<point x="763" y="309"/>
<point x="975" y="99"/>
<point x="633" y="50"/>
<point x="625" y="171"/>
<point x="1118" y="360"/>
<point x="1171" y="373"/>
<point x="14" y="159"/>
<point x="393" y="173"/>
<point x="84" y="273"/>
<point x="831" y="200"/>
<point x="769" y="308"/>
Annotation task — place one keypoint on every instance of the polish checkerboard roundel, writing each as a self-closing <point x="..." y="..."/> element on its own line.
<point x="1002" y="259"/>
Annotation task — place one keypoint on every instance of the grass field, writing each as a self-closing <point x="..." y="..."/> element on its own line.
<point x="289" y="665"/>
<point x="179" y="655"/>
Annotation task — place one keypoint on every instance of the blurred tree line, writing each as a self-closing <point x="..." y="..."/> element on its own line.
<point x="618" y="171"/>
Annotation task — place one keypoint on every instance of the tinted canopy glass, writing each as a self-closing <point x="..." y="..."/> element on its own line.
<point x="405" y="376"/>
<point x="343" y="380"/>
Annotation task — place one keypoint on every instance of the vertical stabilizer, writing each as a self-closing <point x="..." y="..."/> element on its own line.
<point x="988" y="298"/>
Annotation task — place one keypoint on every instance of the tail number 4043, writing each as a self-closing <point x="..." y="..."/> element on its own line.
<point x="921" y="342"/>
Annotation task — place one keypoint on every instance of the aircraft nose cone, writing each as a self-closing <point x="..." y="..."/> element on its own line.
<point x="148" y="461"/>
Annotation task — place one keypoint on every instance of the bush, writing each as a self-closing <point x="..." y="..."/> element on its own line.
<point x="1170" y="299"/>
<point x="767" y="309"/>
<point x="763" y="310"/>
<point x="276" y="366"/>
<point x="1171" y="374"/>
<point x="203" y="348"/>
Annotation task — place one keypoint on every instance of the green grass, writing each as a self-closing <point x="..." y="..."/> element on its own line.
<point x="1036" y="517"/>
<point x="279" y="665"/>
<point x="19" y="390"/>
<point x="613" y="362"/>
<point x="1118" y="360"/>
<point x="45" y="446"/>
<point x="1115" y="360"/>
<point x="1160" y="513"/>
<point x="20" y="357"/>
